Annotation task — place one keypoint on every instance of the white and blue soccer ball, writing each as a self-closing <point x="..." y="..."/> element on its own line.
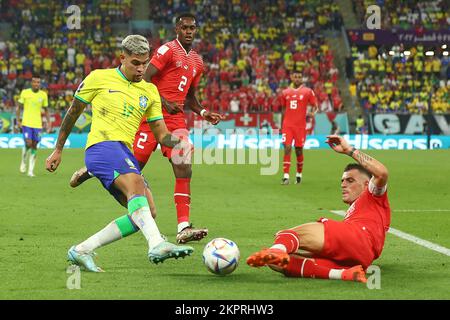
<point x="221" y="256"/>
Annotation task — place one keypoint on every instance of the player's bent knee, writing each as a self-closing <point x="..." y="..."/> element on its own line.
<point x="312" y="236"/>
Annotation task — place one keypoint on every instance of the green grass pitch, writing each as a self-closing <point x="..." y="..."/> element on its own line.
<point x="42" y="217"/>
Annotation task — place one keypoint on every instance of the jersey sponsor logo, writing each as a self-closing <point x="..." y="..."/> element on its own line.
<point x="143" y="100"/>
<point x="162" y="50"/>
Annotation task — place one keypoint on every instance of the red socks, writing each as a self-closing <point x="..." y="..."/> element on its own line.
<point x="289" y="239"/>
<point x="300" y="164"/>
<point x="286" y="163"/>
<point x="306" y="268"/>
<point x="182" y="197"/>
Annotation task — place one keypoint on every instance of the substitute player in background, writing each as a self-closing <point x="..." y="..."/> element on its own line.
<point x="120" y="99"/>
<point x="175" y="69"/>
<point x="32" y="101"/>
<point x="295" y="101"/>
<point x="338" y="249"/>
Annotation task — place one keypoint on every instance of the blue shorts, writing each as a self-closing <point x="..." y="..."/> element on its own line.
<point x="31" y="133"/>
<point x="109" y="159"/>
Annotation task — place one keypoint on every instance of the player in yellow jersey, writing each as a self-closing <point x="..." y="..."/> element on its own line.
<point x="120" y="99"/>
<point x="32" y="101"/>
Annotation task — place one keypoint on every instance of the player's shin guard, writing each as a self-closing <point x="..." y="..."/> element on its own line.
<point x="286" y="163"/>
<point x="182" y="198"/>
<point x="139" y="211"/>
<point x="300" y="164"/>
<point x="287" y="240"/>
<point x="126" y="226"/>
<point x="32" y="161"/>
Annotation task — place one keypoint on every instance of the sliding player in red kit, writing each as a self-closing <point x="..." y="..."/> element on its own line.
<point x="176" y="70"/>
<point x="331" y="249"/>
<point x="295" y="101"/>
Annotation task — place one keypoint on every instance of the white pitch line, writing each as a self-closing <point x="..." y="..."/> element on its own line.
<point x="409" y="237"/>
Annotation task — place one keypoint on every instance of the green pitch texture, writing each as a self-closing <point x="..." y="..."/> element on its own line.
<point x="42" y="217"/>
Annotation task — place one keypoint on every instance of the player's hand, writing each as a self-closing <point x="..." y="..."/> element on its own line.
<point x="53" y="161"/>
<point x="213" y="117"/>
<point x="338" y="144"/>
<point x="171" y="107"/>
<point x="19" y="124"/>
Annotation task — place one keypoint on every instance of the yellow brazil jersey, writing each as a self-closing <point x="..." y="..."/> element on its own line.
<point x="118" y="105"/>
<point x="32" y="104"/>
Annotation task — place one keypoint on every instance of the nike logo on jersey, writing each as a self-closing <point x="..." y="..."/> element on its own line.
<point x="186" y="67"/>
<point x="112" y="91"/>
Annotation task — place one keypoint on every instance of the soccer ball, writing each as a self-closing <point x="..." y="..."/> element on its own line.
<point x="221" y="256"/>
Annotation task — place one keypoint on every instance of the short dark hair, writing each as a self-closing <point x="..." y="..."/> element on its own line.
<point x="35" y="75"/>
<point x="184" y="15"/>
<point x="360" y="168"/>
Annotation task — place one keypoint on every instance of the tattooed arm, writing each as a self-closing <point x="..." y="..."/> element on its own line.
<point x="378" y="170"/>
<point x="71" y="117"/>
<point x="163" y="135"/>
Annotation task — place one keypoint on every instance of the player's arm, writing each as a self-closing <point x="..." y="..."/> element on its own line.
<point x="283" y="106"/>
<point x="150" y="72"/>
<point x="195" y="105"/>
<point x="19" y="107"/>
<point x="47" y="114"/>
<point x="74" y="112"/>
<point x="164" y="137"/>
<point x="313" y="103"/>
<point x="376" y="168"/>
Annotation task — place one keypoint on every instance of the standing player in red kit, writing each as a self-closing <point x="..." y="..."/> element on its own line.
<point x="176" y="70"/>
<point x="338" y="249"/>
<point x="295" y="101"/>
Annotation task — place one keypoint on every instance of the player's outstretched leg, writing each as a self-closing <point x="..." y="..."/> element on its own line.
<point x="166" y="250"/>
<point x="320" y="269"/>
<point x="79" y="176"/>
<point x="83" y="259"/>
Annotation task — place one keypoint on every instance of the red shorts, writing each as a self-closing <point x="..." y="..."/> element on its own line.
<point x="298" y="134"/>
<point x="145" y="142"/>
<point x="346" y="244"/>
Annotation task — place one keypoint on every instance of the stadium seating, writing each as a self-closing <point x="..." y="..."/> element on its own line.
<point x="430" y="15"/>
<point x="249" y="49"/>
<point x="403" y="78"/>
<point x="246" y="61"/>
<point x="41" y="42"/>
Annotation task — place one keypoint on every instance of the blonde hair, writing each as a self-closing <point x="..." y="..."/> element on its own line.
<point x="135" y="44"/>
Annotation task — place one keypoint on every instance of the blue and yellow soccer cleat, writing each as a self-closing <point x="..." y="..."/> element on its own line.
<point x="166" y="250"/>
<point x="84" y="260"/>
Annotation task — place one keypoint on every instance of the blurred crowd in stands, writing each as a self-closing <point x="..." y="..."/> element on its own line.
<point x="248" y="47"/>
<point x="404" y="79"/>
<point x="42" y="42"/>
<point x="411" y="14"/>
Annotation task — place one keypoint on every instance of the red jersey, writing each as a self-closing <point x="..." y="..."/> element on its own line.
<point x="178" y="71"/>
<point x="373" y="213"/>
<point x="295" y="102"/>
